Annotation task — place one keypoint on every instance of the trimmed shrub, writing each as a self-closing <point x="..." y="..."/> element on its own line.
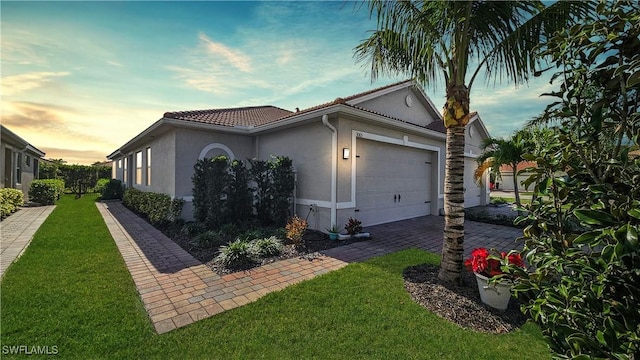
<point x="207" y="239"/>
<point x="112" y="190"/>
<point x="266" y="247"/>
<point x="192" y="229"/>
<point x="157" y="208"/>
<point x="236" y="255"/>
<point x="10" y="199"/>
<point x="46" y="191"/>
<point x="100" y="185"/>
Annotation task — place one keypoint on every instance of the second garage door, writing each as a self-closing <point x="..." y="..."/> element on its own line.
<point x="393" y="182"/>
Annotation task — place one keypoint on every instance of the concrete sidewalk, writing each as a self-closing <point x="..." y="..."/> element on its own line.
<point x="16" y="233"/>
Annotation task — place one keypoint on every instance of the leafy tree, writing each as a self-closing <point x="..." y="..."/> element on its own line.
<point x="78" y="178"/>
<point x="50" y="169"/>
<point x="584" y="286"/>
<point x="454" y="41"/>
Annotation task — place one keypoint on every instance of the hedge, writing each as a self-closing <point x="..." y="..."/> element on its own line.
<point x="113" y="189"/>
<point x="46" y="191"/>
<point x="10" y="199"/>
<point x="157" y="208"/>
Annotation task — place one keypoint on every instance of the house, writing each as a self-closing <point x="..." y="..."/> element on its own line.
<point x="19" y="161"/>
<point x="377" y="156"/>
<point x="505" y="181"/>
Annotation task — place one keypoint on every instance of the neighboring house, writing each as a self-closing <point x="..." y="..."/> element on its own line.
<point x="505" y="182"/>
<point x="19" y="161"/>
<point x="377" y="156"/>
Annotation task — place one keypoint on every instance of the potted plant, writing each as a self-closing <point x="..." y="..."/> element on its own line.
<point x="487" y="264"/>
<point x="333" y="231"/>
<point x="353" y="226"/>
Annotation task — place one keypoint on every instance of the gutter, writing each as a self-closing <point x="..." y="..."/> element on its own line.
<point x="334" y="169"/>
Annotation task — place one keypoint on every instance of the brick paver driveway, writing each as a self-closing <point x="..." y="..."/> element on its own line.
<point x="177" y="289"/>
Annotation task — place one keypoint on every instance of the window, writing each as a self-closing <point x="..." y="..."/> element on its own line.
<point x="27" y="160"/>
<point x="139" y="168"/>
<point x="120" y="164"/>
<point x="124" y="171"/>
<point x="19" y="168"/>
<point x="148" y="166"/>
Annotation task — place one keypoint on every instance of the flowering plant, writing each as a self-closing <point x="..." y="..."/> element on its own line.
<point x="489" y="262"/>
<point x="353" y="226"/>
<point x="295" y="229"/>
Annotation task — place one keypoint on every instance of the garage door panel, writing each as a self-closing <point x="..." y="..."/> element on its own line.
<point x="384" y="170"/>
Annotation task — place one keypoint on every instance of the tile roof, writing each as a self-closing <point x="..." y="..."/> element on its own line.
<point x="262" y="115"/>
<point x="245" y="116"/>
<point x="521" y="166"/>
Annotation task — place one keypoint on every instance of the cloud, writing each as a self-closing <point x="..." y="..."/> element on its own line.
<point x="233" y="57"/>
<point x="15" y="84"/>
<point x="47" y="120"/>
<point x="114" y="63"/>
<point x="211" y="65"/>
<point x="74" y="156"/>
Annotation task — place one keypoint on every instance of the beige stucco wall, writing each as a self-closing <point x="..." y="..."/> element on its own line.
<point x="395" y="105"/>
<point x="189" y="145"/>
<point x="475" y="194"/>
<point x="309" y="146"/>
<point x="27" y="170"/>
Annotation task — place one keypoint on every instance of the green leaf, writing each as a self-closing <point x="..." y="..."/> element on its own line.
<point x="634" y="213"/>
<point x="593" y="217"/>
<point x="632" y="238"/>
<point x="586" y="237"/>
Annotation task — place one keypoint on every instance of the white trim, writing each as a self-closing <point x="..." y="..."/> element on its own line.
<point x="212" y="146"/>
<point x="324" y="204"/>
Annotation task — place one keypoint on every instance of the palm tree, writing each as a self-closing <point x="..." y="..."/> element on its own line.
<point x="453" y="41"/>
<point x="497" y="152"/>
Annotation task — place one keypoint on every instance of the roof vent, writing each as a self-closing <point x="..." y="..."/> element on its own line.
<point x="297" y="109"/>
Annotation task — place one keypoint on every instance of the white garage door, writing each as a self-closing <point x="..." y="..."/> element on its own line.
<point x="392" y="182"/>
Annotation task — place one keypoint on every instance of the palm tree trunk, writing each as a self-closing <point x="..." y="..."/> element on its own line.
<point x="515" y="183"/>
<point x="451" y="266"/>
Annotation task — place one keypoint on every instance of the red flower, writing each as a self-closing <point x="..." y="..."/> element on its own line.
<point x="489" y="263"/>
<point x="515" y="259"/>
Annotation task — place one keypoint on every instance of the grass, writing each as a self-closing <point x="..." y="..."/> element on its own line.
<point x="71" y="289"/>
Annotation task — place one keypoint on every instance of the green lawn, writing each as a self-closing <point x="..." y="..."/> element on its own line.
<point x="72" y="290"/>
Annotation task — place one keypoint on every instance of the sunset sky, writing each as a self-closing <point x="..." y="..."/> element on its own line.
<point x="79" y="79"/>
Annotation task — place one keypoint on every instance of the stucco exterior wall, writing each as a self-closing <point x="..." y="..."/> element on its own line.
<point x="190" y="143"/>
<point x="8" y="169"/>
<point x="309" y="146"/>
<point x="396" y="105"/>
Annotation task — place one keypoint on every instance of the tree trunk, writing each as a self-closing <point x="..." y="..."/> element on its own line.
<point x="456" y="117"/>
<point x="451" y="266"/>
<point x="515" y="183"/>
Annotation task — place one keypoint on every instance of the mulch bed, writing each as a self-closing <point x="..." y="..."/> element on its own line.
<point x="314" y="242"/>
<point x="460" y="304"/>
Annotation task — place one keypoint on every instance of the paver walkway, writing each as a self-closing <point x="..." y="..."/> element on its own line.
<point x="16" y="232"/>
<point x="177" y="290"/>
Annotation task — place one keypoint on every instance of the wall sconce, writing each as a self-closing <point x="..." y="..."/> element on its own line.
<point x="345" y="153"/>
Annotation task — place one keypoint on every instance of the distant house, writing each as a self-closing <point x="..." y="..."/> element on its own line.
<point x="19" y="161"/>
<point x="505" y="182"/>
<point x="378" y="156"/>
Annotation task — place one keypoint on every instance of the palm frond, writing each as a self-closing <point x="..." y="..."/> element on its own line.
<point x="516" y="55"/>
<point x="478" y="174"/>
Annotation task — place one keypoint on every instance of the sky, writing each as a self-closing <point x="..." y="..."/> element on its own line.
<point x="80" y="79"/>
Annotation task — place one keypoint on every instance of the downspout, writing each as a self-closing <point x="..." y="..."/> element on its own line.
<point x="334" y="169"/>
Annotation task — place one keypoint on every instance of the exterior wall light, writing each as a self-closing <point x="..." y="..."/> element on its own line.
<point x="345" y="153"/>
